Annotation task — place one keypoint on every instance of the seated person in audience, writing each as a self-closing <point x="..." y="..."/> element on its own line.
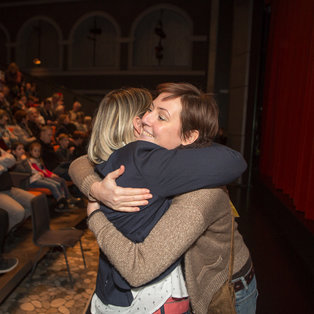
<point x="76" y="108"/>
<point x="15" y="201"/>
<point x="36" y="178"/>
<point x="64" y="153"/>
<point x="13" y="78"/>
<point x="31" y="93"/>
<point x="88" y="122"/>
<point x="6" y="264"/>
<point x="5" y="102"/>
<point x="21" y="129"/>
<point x="22" y="102"/>
<point x="59" y="111"/>
<point x="78" y="144"/>
<point x="79" y="123"/>
<point x="49" y="154"/>
<point x="65" y="125"/>
<point x="57" y="100"/>
<point x="38" y="164"/>
<point x="35" y="121"/>
<point x="5" y="133"/>
<point x="47" y="112"/>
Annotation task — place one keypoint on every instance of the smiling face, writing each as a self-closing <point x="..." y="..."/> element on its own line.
<point x="161" y="124"/>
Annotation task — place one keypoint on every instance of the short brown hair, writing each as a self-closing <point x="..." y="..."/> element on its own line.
<point x="62" y="136"/>
<point x="20" y="115"/>
<point x="199" y="111"/>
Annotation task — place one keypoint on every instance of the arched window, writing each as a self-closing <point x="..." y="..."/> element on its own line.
<point x="4" y="39"/>
<point x="162" y="39"/>
<point x="94" y="43"/>
<point x="39" y="44"/>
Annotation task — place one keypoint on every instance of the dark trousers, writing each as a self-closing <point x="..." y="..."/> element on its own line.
<point x="4" y="224"/>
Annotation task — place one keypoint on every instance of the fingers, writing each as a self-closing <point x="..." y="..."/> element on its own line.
<point x="128" y="209"/>
<point x="134" y="203"/>
<point x="133" y="194"/>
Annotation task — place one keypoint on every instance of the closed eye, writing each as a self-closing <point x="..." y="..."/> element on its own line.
<point x="161" y="118"/>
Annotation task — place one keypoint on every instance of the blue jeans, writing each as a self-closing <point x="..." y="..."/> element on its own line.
<point x="54" y="186"/>
<point x="246" y="298"/>
<point x="64" y="187"/>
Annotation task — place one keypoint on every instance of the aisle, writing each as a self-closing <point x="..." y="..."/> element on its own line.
<point x="50" y="291"/>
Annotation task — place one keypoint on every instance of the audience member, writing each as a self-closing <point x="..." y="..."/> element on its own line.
<point x="15" y="201"/>
<point x="30" y="92"/>
<point x="57" y="100"/>
<point x="22" y="103"/>
<point x="65" y="125"/>
<point x="5" y="102"/>
<point x="50" y="156"/>
<point x="36" y="178"/>
<point x="79" y="123"/>
<point x="38" y="164"/>
<point x="13" y="79"/>
<point x="59" y="110"/>
<point x="5" y="133"/>
<point x="76" y="108"/>
<point x="88" y="123"/>
<point x="79" y="144"/>
<point x="21" y="129"/>
<point x="34" y="121"/>
<point x="64" y="152"/>
<point x="47" y="112"/>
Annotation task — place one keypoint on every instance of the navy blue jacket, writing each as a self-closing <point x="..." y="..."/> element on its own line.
<point x="166" y="173"/>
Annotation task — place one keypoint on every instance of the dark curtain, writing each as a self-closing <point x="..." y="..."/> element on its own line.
<point x="287" y="147"/>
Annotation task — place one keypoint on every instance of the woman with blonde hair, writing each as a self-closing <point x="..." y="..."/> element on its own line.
<point x="211" y="166"/>
<point x="113" y="126"/>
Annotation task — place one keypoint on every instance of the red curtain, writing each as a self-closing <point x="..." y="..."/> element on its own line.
<point x="287" y="148"/>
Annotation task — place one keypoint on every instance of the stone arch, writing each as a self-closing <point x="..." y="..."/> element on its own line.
<point x="39" y="37"/>
<point x="94" y="41"/>
<point x="177" y="45"/>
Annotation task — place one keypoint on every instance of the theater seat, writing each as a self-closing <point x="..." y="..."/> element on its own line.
<point x="40" y="190"/>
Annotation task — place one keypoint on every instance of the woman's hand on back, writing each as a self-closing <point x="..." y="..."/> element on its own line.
<point x="118" y="198"/>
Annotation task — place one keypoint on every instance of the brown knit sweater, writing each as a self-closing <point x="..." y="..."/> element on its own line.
<point x="197" y="224"/>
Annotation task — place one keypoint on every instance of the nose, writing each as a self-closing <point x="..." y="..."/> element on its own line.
<point x="147" y="118"/>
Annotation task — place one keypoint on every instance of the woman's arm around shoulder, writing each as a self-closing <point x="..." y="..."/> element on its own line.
<point x="179" y="170"/>
<point x="83" y="175"/>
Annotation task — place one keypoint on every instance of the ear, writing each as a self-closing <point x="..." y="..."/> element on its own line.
<point x="137" y="124"/>
<point x="191" y="138"/>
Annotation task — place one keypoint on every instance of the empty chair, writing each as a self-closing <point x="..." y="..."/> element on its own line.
<point x="43" y="236"/>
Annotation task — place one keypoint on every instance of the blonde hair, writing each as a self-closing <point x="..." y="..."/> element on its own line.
<point x="113" y="124"/>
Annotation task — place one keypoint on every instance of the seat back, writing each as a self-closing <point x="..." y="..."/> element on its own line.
<point x="40" y="216"/>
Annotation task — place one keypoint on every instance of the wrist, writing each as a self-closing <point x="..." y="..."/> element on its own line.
<point x="91" y="194"/>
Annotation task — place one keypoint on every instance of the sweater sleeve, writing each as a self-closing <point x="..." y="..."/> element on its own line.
<point x="7" y="160"/>
<point x="139" y="263"/>
<point x="83" y="175"/>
